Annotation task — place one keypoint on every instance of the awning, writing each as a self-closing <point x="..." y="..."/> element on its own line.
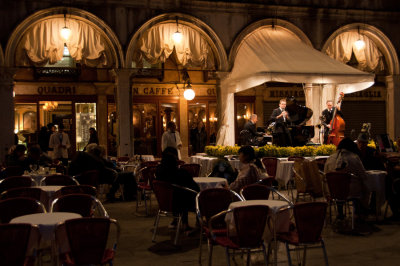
<point x="276" y="54"/>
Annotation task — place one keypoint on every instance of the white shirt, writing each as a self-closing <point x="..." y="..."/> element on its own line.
<point x="170" y="139"/>
<point x="56" y="140"/>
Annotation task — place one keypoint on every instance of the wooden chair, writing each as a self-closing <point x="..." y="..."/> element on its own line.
<point x="58" y="180"/>
<point x="11" y="208"/>
<point x="19" y="243"/>
<point x="78" y="189"/>
<point x="210" y="202"/>
<point x="16" y="182"/>
<point x="146" y="177"/>
<point x="26" y="192"/>
<point x="88" y="241"/>
<point x="248" y="238"/>
<point x="309" y="218"/>
<point x="270" y="164"/>
<point x="83" y="204"/>
<point x="321" y="163"/>
<point x="88" y="178"/>
<point x="192" y="168"/>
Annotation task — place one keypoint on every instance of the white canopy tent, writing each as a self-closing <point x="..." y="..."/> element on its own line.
<point x="276" y="54"/>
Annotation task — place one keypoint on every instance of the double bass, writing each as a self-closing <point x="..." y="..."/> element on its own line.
<point x="336" y="131"/>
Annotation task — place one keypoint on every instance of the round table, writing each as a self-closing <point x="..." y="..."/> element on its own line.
<point x="284" y="171"/>
<point x="210" y="182"/>
<point x="46" y="221"/>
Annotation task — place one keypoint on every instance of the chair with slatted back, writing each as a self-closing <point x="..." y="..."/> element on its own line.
<point x="14" y="207"/>
<point x="19" y="243"/>
<point x="83" y="204"/>
<point x="89" y="241"/>
<point x="146" y="177"/>
<point x="58" y="180"/>
<point x="250" y="222"/>
<point x="15" y="182"/>
<point x="309" y="219"/>
<point x="210" y="202"/>
<point x="26" y="192"/>
<point x="270" y="164"/>
<point x="192" y="168"/>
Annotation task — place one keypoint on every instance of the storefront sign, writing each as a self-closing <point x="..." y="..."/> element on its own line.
<point x="211" y="92"/>
<point x="56" y="90"/>
<point x="284" y="93"/>
<point x="154" y="91"/>
<point x="369" y="94"/>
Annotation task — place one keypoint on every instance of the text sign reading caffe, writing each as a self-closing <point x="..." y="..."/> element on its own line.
<point x="56" y="90"/>
<point x="154" y="91"/>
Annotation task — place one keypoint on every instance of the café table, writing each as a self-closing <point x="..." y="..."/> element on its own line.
<point x="278" y="210"/>
<point x="284" y="171"/>
<point x="50" y="190"/>
<point x="376" y="183"/>
<point x="210" y="182"/>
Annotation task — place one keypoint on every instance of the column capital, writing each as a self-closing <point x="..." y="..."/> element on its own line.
<point x="118" y="73"/>
<point x="102" y="87"/>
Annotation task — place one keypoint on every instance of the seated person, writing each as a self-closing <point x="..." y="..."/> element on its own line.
<point x="168" y="171"/>
<point x="249" y="173"/>
<point x="249" y="133"/>
<point x="36" y="156"/>
<point x="16" y="157"/>
<point x="222" y="168"/>
<point x="368" y="155"/>
<point x="346" y="159"/>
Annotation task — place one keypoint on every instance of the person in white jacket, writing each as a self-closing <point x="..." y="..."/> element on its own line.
<point x="60" y="143"/>
<point x="171" y="138"/>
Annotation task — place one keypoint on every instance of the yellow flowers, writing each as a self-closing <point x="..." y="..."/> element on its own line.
<point x="273" y="151"/>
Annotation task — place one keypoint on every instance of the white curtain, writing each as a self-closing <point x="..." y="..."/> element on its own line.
<point x="43" y="43"/>
<point x="275" y="54"/>
<point x="156" y="45"/>
<point x="369" y="58"/>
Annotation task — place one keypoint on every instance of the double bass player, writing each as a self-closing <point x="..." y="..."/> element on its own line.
<point x="327" y="116"/>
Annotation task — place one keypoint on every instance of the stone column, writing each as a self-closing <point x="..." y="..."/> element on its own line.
<point x="393" y="106"/>
<point x="259" y="108"/>
<point x="183" y="125"/>
<point x="101" y="111"/>
<point x="124" y="111"/>
<point x="6" y="110"/>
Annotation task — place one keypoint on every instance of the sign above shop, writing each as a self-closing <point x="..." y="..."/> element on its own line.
<point x="56" y="90"/>
<point x="170" y="90"/>
<point x="154" y="91"/>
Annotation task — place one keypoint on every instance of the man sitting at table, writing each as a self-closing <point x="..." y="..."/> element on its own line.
<point x="368" y="155"/>
<point x="249" y="172"/>
<point x="168" y="171"/>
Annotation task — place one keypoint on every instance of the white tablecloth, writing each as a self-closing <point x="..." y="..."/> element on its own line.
<point x="282" y="219"/>
<point x="207" y="163"/>
<point x="50" y="190"/>
<point x="210" y="182"/>
<point x="46" y="221"/>
<point x="376" y="183"/>
<point x="284" y="171"/>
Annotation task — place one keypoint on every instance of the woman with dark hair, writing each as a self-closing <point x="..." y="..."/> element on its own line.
<point x="346" y="159"/>
<point x="168" y="171"/>
<point x="249" y="172"/>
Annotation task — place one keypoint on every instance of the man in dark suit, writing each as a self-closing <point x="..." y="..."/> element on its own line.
<point x="326" y="118"/>
<point x="250" y="126"/>
<point x="281" y="118"/>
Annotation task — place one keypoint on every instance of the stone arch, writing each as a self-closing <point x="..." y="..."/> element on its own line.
<point x="106" y="32"/>
<point x="378" y="37"/>
<point x="211" y="37"/>
<point x="269" y="22"/>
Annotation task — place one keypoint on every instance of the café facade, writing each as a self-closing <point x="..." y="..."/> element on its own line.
<point x="123" y="72"/>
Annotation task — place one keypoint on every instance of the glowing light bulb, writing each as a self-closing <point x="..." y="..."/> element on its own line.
<point x="189" y="94"/>
<point x="177" y="36"/>
<point x="359" y="44"/>
<point x="65" y="33"/>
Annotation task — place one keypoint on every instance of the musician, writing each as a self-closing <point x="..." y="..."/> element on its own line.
<point x="327" y="118"/>
<point x="252" y="133"/>
<point x="281" y="118"/>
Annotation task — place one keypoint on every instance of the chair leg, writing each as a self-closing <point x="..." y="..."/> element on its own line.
<point x="228" y="260"/>
<point x="200" y="245"/>
<point x="210" y="252"/>
<point x="248" y="258"/>
<point x="304" y="255"/>
<point x="352" y="216"/>
<point x="156" y="226"/>
<point x="265" y="254"/>
<point x="325" y="254"/>
<point x="145" y="202"/>
<point x="288" y="254"/>
<point x="178" y="227"/>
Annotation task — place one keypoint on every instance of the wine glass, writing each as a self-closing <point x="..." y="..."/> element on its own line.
<point x="33" y="167"/>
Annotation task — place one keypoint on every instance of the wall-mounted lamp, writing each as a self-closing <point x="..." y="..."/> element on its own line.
<point x="177" y="36"/>
<point x="189" y="92"/>
<point x="359" y="44"/>
<point x="65" y="32"/>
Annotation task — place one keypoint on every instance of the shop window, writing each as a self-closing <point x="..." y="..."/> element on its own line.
<point x="144" y="128"/>
<point x="85" y="119"/>
<point x="25" y="122"/>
